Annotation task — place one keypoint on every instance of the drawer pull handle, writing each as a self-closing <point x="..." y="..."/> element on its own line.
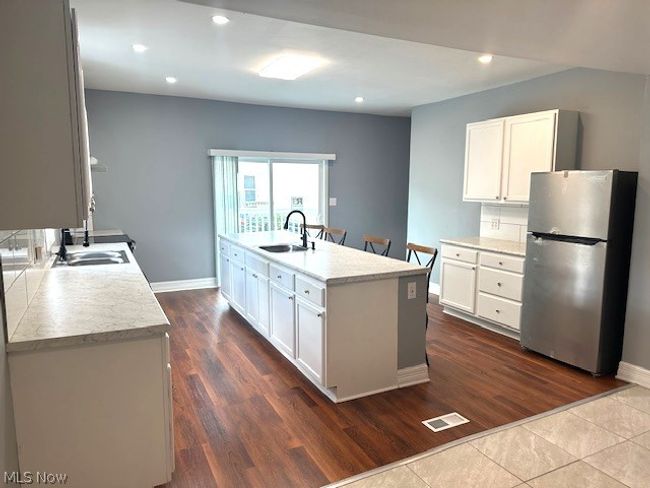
<point x="499" y="283"/>
<point x="319" y="315"/>
<point x="473" y="268"/>
<point x="279" y="277"/>
<point x="498" y="311"/>
<point x="497" y="197"/>
<point x="306" y="292"/>
<point x="254" y="275"/>
<point x="500" y="263"/>
<point x="457" y="254"/>
<point x="290" y="298"/>
<point x="242" y="269"/>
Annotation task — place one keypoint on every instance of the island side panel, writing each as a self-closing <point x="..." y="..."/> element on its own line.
<point x="95" y="412"/>
<point x="361" y="336"/>
<point x="411" y="336"/>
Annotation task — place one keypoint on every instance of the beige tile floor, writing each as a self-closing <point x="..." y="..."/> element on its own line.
<point x="601" y="443"/>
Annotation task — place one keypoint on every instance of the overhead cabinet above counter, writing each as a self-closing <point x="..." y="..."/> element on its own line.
<point x="500" y="154"/>
<point x="44" y="138"/>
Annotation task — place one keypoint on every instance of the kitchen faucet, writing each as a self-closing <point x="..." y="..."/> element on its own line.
<point x="304" y="225"/>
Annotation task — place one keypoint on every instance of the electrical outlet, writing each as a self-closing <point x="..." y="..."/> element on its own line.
<point x="494" y="224"/>
<point x="412" y="290"/>
<point x="333" y="202"/>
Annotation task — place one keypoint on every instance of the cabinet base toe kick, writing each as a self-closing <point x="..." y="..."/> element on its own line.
<point x="486" y="324"/>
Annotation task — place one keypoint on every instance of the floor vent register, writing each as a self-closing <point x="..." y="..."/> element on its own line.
<point x="445" y="422"/>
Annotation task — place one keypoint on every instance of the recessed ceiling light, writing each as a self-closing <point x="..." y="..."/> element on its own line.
<point x="290" y="66"/>
<point x="220" y="20"/>
<point x="170" y="79"/>
<point x="139" y="48"/>
<point x="359" y="99"/>
<point x="485" y="59"/>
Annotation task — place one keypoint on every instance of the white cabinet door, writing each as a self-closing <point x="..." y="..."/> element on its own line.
<point x="238" y="286"/>
<point x="263" y="324"/>
<point x="225" y="278"/>
<point x="458" y="285"/>
<point x="252" y="297"/>
<point x="529" y="146"/>
<point x="483" y="161"/>
<point x="310" y="326"/>
<point x="283" y="320"/>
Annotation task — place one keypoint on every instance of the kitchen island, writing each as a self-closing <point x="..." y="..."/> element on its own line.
<point x="352" y="322"/>
<point x="91" y="377"/>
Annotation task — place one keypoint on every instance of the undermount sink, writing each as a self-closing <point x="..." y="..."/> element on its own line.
<point x="283" y="248"/>
<point x="92" y="258"/>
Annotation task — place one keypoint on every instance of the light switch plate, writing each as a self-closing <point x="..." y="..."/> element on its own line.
<point x="333" y="202"/>
<point x="412" y="290"/>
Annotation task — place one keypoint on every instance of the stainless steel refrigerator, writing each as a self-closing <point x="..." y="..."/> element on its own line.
<point x="577" y="265"/>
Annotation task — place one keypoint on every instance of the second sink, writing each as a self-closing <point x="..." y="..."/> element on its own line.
<point x="283" y="248"/>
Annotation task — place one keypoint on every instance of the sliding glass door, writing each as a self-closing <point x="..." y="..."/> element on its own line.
<point x="268" y="189"/>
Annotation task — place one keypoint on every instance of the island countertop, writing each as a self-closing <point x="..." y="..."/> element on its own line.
<point x="330" y="263"/>
<point x="489" y="244"/>
<point x="89" y="304"/>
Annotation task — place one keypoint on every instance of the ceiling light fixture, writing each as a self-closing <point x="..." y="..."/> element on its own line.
<point x="359" y="99"/>
<point x="220" y="20"/>
<point x="171" y="80"/>
<point x="290" y="66"/>
<point x="139" y="48"/>
<point x="485" y="59"/>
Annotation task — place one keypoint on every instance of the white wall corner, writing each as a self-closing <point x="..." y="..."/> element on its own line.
<point x="434" y="288"/>
<point x="413" y="375"/>
<point x="633" y="374"/>
<point x="180" y="285"/>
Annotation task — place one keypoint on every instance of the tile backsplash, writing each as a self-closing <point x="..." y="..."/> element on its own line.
<point x="23" y="258"/>
<point x="504" y="222"/>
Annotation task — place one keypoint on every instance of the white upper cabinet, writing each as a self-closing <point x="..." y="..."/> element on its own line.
<point x="483" y="156"/>
<point x="501" y="154"/>
<point x="44" y="141"/>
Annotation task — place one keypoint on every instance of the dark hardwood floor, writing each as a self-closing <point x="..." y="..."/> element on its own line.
<point x="244" y="416"/>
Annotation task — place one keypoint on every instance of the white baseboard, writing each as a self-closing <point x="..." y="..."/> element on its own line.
<point x="413" y="375"/>
<point x="633" y="374"/>
<point x="434" y="289"/>
<point x="163" y="286"/>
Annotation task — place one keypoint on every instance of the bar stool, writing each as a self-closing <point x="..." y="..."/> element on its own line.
<point x="413" y="250"/>
<point x="335" y="235"/>
<point x="370" y="241"/>
<point x="318" y="228"/>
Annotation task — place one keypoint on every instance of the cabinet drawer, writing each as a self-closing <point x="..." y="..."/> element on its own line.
<point x="310" y="291"/>
<point x="502" y="261"/>
<point x="459" y="253"/>
<point x="257" y="264"/>
<point x="500" y="283"/>
<point x="236" y="253"/>
<point x="224" y="247"/>
<point x="281" y="276"/>
<point x="499" y="310"/>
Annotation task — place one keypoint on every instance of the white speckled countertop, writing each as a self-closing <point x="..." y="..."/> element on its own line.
<point x="330" y="263"/>
<point x="89" y="304"/>
<point x="489" y="244"/>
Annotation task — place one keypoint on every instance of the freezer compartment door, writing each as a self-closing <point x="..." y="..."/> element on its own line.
<point x="562" y="300"/>
<point x="571" y="203"/>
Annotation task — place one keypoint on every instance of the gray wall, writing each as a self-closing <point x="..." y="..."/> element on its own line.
<point x="158" y="187"/>
<point x="636" y="347"/>
<point x="610" y="106"/>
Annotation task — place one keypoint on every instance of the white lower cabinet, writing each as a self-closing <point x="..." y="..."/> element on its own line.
<point x="310" y="326"/>
<point x="490" y="291"/>
<point x="263" y="319"/>
<point x="238" y="272"/>
<point x="283" y="319"/>
<point x="225" y="278"/>
<point x="252" y="297"/>
<point x="458" y="285"/>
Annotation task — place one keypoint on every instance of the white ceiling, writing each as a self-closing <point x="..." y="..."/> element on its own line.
<point x="221" y="62"/>
<point x="605" y="34"/>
